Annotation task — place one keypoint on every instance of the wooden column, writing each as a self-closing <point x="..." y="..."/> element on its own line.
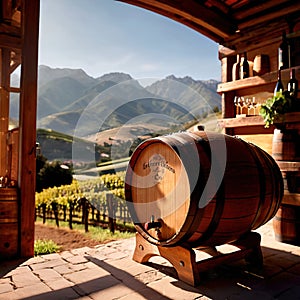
<point x="4" y="107"/>
<point x="28" y="108"/>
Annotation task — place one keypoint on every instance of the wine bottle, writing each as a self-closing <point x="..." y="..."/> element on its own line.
<point x="284" y="53"/>
<point x="236" y="69"/>
<point x="279" y="85"/>
<point x="244" y="67"/>
<point x="293" y="84"/>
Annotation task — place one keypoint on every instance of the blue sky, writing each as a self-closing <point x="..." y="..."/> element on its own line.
<point x="103" y="36"/>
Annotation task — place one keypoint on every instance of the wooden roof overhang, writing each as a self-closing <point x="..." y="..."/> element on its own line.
<point x="234" y="24"/>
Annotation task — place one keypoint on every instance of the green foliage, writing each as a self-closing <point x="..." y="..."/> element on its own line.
<point x="40" y="162"/>
<point x="216" y="109"/>
<point x="53" y="174"/>
<point x="93" y="190"/>
<point x="103" y="235"/>
<point x="274" y="108"/>
<point x="45" y="247"/>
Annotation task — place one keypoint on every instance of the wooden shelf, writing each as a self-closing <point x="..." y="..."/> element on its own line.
<point x="248" y="82"/>
<point x="255" y="81"/>
<point x="241" y="121"/>
<point x="291" y="121"/>
<point x="246" y="125"/>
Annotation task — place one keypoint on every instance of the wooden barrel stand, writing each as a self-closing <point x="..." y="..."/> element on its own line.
<point x="183" y="257"/>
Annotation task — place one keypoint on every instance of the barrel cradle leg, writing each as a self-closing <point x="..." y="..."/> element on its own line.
<point x="144" y="250"/>
<point x="183" y="259"/>
<point x="249" y="249"/>
<point x="249" y="245"/>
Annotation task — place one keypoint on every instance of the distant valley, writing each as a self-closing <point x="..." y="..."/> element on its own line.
<point x="73" y="103"/>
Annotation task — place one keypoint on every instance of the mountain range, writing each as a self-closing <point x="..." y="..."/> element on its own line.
<point x="74" y="103"/>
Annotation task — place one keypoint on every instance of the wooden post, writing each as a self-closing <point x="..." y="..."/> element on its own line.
<point x="65" y="212"/>
<point x="71" y="215"/>
<point x="44" y="212"/>
<point x="83" y="207"/>
<point x="110" y="206"/>
<point x="28" y="108"/>
<point x="55" y="210"/>
<point x="86" y="216"/>
<point x="98" y="217"/>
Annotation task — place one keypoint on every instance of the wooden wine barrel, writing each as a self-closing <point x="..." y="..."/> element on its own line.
<point x="286" y="224"/>
<point x="8" y="222"/>
<point x="174" y="196"/>
<point x="286" y="145"/>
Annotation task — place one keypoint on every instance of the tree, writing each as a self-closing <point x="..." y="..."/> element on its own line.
<point x="54" y="174"/>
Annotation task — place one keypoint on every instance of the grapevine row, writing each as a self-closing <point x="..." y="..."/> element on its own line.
<point x="88" y="202"/>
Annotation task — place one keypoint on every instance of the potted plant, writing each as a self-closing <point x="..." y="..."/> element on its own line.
<point x="274" y="109"/>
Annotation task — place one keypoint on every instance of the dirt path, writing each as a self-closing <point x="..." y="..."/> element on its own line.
<point x="67" y="239"/>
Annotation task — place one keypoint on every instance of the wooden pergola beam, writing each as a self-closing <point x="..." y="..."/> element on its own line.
<point x="192" y="14"/>
<point x="267" y="17"/>
<point x="234" y="24"/>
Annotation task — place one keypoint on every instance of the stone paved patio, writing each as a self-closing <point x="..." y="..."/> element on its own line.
<point x="108" y="272"/>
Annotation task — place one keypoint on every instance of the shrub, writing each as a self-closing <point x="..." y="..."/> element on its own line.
<point x="54" y="174"/>
<point x="45" y="247"/>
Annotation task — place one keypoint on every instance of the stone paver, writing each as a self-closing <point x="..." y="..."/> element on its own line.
<point x="6" y="287"/>
<point x="48" y="264"/>
<point x="22" y="280"/>
<point x="48" y="275"/>
<point x="117" y="291"/>
<point x="108" y="272"/>
<point x="27" y="292"/>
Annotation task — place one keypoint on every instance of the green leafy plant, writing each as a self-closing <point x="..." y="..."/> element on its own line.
<point x="45" y="247"/>
<point x="274" y="108"/>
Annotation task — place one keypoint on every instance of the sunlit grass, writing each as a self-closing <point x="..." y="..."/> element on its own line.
<point x="96" y="233"/>
<point x="102" y="235"/>
<point x="45" y="247"/>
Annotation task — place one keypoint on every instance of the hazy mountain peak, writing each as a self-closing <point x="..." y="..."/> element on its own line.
<point x="47" y="74"/>
<point x="115" y="77"/>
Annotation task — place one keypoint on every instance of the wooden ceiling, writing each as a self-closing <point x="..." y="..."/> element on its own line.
<point x="236" y="24"/>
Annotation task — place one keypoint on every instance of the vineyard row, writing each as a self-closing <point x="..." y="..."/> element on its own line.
<point x="98" y="202"/>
